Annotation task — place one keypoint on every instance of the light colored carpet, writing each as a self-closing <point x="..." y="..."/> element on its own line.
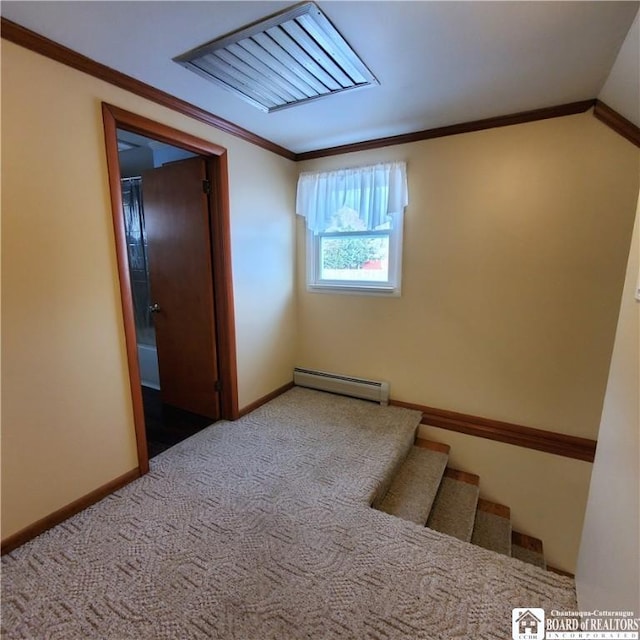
<point x="492" y="532"/>
<point x="414" y="488"/>
<point x="454" y="509"/>
<point x="528" y="555"/>
<point x="261" y="529"/>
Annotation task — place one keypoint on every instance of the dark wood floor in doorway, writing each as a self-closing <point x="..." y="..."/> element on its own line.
<point x="167" y="425"/>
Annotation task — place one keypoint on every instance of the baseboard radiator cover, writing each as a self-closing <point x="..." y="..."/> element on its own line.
<point x="374" y="390"/>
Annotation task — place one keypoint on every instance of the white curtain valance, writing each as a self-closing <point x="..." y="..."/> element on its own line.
<point x="375" y="192"/>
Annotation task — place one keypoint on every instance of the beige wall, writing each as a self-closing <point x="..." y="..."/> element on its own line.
<point x="547" y="494"/>
<point x="66" y="416"/>
<point x="262" y="189"/>
<point x="608" y="575"/>
<point x="514" y="255"/>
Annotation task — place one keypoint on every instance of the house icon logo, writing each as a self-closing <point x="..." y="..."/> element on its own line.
<point x="527" y="624"/>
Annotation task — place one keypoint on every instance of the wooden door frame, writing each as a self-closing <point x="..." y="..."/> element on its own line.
<point x="216" y="156"/>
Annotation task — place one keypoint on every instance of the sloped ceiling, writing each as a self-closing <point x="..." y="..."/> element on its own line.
<point x="622" y="88"/>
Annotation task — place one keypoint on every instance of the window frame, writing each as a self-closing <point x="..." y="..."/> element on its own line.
<point x="390" y="288"/>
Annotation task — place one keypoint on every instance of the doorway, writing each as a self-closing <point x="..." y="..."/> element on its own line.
<point x="167" y="229"/>
<point x="170" y="212"/>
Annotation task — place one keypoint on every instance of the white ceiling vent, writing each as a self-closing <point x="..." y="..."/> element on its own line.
<point x="287" y="59"/>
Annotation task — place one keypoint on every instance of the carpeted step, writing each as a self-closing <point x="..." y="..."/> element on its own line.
<point x="421" y="490"/>
<point x="400" y="454"/>
<point x="492" y="528"/>
<point x="454" y="509"/>
<point x="413" y="489"/>
<point x="527" y="549"/>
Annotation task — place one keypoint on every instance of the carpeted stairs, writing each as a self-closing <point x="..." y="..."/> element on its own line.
<point x="425" y="491"/>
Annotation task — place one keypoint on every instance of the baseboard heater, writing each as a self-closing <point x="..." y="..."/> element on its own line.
<point x="374" y="390"/>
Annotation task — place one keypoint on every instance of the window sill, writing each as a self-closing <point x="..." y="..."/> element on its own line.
<point x="385" y="291"/>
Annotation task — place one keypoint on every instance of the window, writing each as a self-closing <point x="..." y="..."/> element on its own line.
<point x="354" y="228"/>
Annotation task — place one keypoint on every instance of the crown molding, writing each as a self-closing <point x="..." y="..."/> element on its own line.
<point x="24" y="37"/>
<point x="455" y="129"/>
<point x="39" y="44"/>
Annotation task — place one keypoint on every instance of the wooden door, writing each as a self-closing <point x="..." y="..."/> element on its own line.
<point x="176" y="210"/>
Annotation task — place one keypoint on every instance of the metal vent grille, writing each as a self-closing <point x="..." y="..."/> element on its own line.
<point x="290" y="58"/>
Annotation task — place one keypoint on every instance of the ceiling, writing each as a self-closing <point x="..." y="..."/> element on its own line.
<point x="438" y="63"/>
